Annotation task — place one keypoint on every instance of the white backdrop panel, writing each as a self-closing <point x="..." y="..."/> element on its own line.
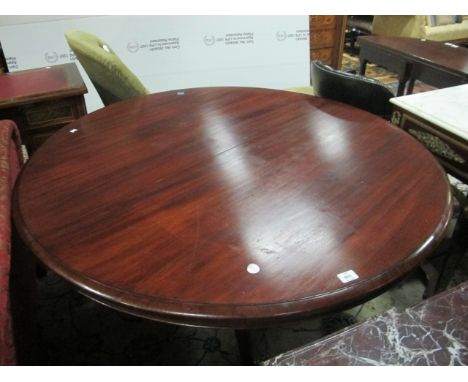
<point x="174" y="52"/>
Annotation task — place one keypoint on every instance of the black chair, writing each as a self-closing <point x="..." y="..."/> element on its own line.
<point x="362" y="92"/>
<point x="357" y="25"/>
<point x="3" y="63"/>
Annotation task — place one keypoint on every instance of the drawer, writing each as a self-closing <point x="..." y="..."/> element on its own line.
<point x="451" y="152"/>
<point x="322" y="38"/>
<point x="36" y="138"/>
<point x="324" y="55"/>
<point x="322" y="22"/>
<point x="51" y="113"/>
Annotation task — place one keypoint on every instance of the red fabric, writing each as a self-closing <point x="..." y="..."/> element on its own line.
<point x="11" y="159"/>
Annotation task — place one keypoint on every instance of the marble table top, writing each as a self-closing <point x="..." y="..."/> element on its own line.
<point x="434" y="332"/>
<point x="447" y="108"/>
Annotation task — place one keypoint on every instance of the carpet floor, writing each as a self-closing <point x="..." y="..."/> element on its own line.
<point x="74" y="330"/>
<point x="351" y="63"/>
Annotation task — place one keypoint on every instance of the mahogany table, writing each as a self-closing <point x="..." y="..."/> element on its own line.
<point x="432" y="62"/>
<point x="231" y="207"/>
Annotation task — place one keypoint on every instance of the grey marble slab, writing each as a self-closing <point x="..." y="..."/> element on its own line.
<point x="434" y="332"/>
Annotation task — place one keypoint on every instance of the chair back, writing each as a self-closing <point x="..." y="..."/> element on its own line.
<point x="113" y="80"/>
<point x="359" y="91"/>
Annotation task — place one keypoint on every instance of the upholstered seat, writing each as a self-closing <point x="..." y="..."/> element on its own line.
<point x="113" y="80"/>
<point x="421" y="26"/>
<point x="362" y="92"/>
<point x="309" y="90"/>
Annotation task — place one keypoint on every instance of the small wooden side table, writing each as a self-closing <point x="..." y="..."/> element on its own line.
<point x="42" y="100"/>
<point x="432" y="62"/>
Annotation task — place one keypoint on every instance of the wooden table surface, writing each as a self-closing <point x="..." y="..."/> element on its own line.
<point x="445" y="55"/>
<point x="436" y="63"/>
<point x="231" y="207"/>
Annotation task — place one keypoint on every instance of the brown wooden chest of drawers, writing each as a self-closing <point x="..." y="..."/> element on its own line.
<point x="327" y="39"/>
<point x="41" y="101"/>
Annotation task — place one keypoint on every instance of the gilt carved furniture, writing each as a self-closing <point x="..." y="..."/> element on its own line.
<point x="42" y="100"/>
<point x="438" y="120"/>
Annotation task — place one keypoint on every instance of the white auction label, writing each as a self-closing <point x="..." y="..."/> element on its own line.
<point x="253" y="268"/>
<point x="347" y="276"/>
<point x="169" y="52"/>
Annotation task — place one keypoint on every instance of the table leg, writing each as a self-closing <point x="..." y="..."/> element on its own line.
<point x="244" y="344"/>
<point x="362" y="67"/>
<point x="410" y="88"/>
<point x="401" y="88"/>
<point x="23" y="302"/>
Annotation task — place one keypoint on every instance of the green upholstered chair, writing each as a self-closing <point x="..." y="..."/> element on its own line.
<point x="110" y="76"/>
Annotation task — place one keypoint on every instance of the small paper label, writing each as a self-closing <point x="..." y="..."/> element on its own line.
<point x="253" y="268"/>
<point x="347" y="276"/>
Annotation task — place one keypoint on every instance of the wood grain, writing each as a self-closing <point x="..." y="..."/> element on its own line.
<point x="41" y="101"/>
<point x="156" y="206"/>
<point x="41" y="84"/>
<point x="447" y="56"/>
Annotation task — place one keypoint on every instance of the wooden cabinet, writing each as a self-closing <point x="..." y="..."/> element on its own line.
<point x="41" y="101"/>
<point x="327" y="39"/>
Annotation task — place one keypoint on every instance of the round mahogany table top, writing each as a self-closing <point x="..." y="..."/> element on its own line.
<point x="231" y="207"/>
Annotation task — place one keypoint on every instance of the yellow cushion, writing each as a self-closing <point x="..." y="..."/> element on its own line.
<point x="403" y="26"/>
<point x="417" y="27"/>
<point x="303" y="89"/>
<point x="447" y="32"/>
<point x="436" y="20"/>
<point x="111" y="77"/>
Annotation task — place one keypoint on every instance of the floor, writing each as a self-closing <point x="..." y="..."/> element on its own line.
<point x="74" y="330"/>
